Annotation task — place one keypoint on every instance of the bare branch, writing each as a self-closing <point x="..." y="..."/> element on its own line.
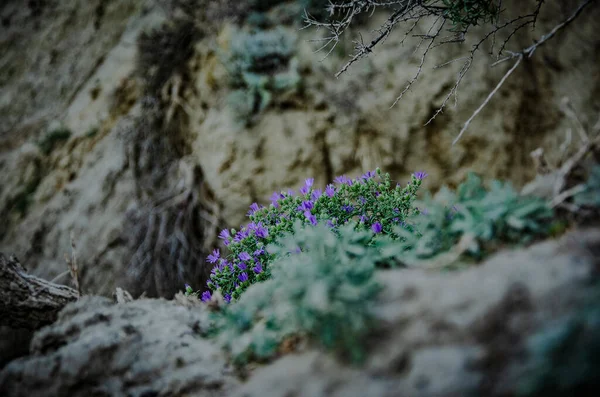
<point x="527" y="52"/>
<point x="72" y="264"/>
<point x="384" y="31"/>
<point x="530" y="50"/>
<point x="423" y="57"/>
<point x="342" y="14"/>
<point x="489" y="97"/>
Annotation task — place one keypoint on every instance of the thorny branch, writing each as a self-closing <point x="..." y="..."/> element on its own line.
<point x="342" y="13"/>
<point x="527" y="52"/>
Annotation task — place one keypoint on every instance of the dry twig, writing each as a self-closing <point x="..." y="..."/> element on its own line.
<point x="527" y="52"/>
<point x="343" y="13"/>
<point x="27" y="301"/>
<point x="72" y="264"/>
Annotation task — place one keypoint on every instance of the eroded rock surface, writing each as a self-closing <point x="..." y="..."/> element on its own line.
<point x="524" y="323"/>
<point x="482" y="332"/>
<point x="141" y="348"/>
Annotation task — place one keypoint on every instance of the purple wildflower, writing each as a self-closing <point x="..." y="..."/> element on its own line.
<point x="290" y="192"/>
<point x="261" y="231"/>
<point x="363" y="218"/>
<point x="241" y="266"/>
<point x="244" y="256"/>
<point x="348" y="208"/>
<point x="330" y="190"/>
<point x="239" y="236"/>
<point x="259" y="252"/>
<point x="227" y="298"/>
<point x="206" y="296"/>
<point x="258" y="268"/>
<point x="330" y="223"/>
<point x="342" y="179"/>
<point x="312" y="219"/>
<point x="368" y="175"/>
<point x="376" y="227"/>
<point x="253" y="208"/>
<point x="362" y="200"/>
<point x="420" y="175"/>
<point x="275" y="198"/>
<point x="307" y="185"/>
<point x="243" y="277"/>
<point x="224" y="235"/>
<point x="214" y="257"/>
<point x="306" y="206"/>
<point x="316" y="194"/>
<point x="187" y="286"/>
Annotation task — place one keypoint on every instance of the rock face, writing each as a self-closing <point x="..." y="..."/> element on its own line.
<point x="67" y="43"/>
<point x="142" y="348"/>
<point x="80" y="152"/>
<point x="345" y="125"/>
<point x="524" y="323"/>
<point x="78" y="54"/>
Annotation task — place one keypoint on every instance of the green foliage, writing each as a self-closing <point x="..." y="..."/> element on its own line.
<point x="261" y="53"/>
<point x="323" y="294"/>
<point x="53" y="138"/>
<point x="466" y="13"/>
<point x="318" y="281"/>
<point x="371" y="200"/>
<point x="591" y="195"/>
<point x="489" y="217"/>
<point x="261" y="65"/>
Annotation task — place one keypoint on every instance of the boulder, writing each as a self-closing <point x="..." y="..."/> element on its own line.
<point x="526" y="322"/>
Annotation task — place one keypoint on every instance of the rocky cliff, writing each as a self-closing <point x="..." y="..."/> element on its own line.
<point x="128" y="126"/>
<point x="524" y="323"/>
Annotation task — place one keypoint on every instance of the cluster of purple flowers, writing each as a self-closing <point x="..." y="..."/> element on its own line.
<point x="371" y="203"/>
